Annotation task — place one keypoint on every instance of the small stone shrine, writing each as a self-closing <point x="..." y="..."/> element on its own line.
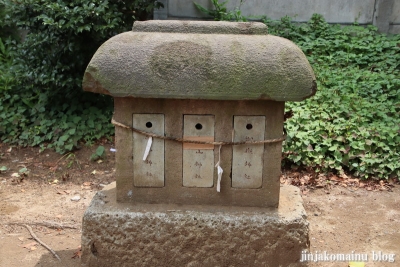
<point x="199" y="129"/>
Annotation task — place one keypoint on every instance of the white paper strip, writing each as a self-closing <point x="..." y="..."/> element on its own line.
<point x="220" y="170"/>
<point x="148" y="146"/>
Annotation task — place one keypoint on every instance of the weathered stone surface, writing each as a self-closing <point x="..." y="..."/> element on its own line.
<point x="186" y="60"/>
<point x="120" y="234"/>
<point x="208" y="27"/>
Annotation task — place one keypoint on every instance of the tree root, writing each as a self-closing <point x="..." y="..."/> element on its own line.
<point x="48" y="224"/>
<point x="40" y="241"/>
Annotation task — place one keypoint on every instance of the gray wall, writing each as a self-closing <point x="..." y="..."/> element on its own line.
<point x="385" y="14"/>
<point x="394" y="20"/>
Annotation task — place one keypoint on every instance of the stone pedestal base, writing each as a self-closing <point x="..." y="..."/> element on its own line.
<point x="126" y="234"/>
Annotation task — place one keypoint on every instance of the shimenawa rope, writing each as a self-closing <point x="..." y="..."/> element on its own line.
<point x="182" y="140"/>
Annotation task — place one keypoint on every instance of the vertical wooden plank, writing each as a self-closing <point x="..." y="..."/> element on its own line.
<point x="149" y="172"/>
<point x="247" y="162"/>
<point x="198" y="161"/>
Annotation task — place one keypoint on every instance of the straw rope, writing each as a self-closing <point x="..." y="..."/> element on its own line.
<point x="182" y="140"/>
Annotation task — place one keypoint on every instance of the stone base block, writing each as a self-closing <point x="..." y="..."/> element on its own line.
<point x="126" y="234"/>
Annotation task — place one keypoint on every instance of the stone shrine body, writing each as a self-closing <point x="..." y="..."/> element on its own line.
<point x="199" y="129"/>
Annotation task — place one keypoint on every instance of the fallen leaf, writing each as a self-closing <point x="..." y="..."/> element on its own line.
<point x="93" y="172"/>
<point x="60" y="192"/>
<point x="99" y="161"/>
<point x="55" y="181"/>
<point x="356" y="264"/>
<point x="29" y="245"/>
<point x="54" y="168"/>
<point x="354" y="180"/>
<point x="15" y="174"/>
<point x="9" y="150"/>
<point x="344" y="176"/>
<point x="78" y="253"/>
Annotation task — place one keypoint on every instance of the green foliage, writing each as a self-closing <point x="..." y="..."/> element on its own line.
<point x="41" y="100"/>
<point x="6" y="60"/>
<point x="98" y="154"/>
<point x="61" y="127"/>
<point x="220" y="11"/>
<point x="8" y="34"/>
<point x="23" y="171"/>
<point x="60" y="31"/>
<point x="71" y="159"/>
<point x="353" y="122"/>
<point x="6" y="30"/>
<point x="143" y="9"/>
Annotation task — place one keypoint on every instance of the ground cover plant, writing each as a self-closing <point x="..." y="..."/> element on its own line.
<point x="351" y="124"/>
<point x="41" y="98"/>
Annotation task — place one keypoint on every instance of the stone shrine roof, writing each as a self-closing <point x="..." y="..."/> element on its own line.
<point x="200" y="60"/>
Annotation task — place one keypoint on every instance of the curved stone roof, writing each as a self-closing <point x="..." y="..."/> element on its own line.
<point x="200" y="60"/>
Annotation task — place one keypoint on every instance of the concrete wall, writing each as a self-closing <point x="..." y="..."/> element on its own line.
<point x="394" y="26"/>
<point x="385" y="14"/>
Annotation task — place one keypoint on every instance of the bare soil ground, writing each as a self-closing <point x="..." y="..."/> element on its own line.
<point x="343" y="219"/>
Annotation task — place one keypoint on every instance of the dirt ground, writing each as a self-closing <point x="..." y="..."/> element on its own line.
<point x="55" y="191"/>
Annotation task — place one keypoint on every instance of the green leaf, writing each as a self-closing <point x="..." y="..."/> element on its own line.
<point x="23" y="170"/>
<point x="64" y="138"/>
<point x="69" y="147"/>
<point x="100" y="151"/>
<point x="2" y="47"/>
